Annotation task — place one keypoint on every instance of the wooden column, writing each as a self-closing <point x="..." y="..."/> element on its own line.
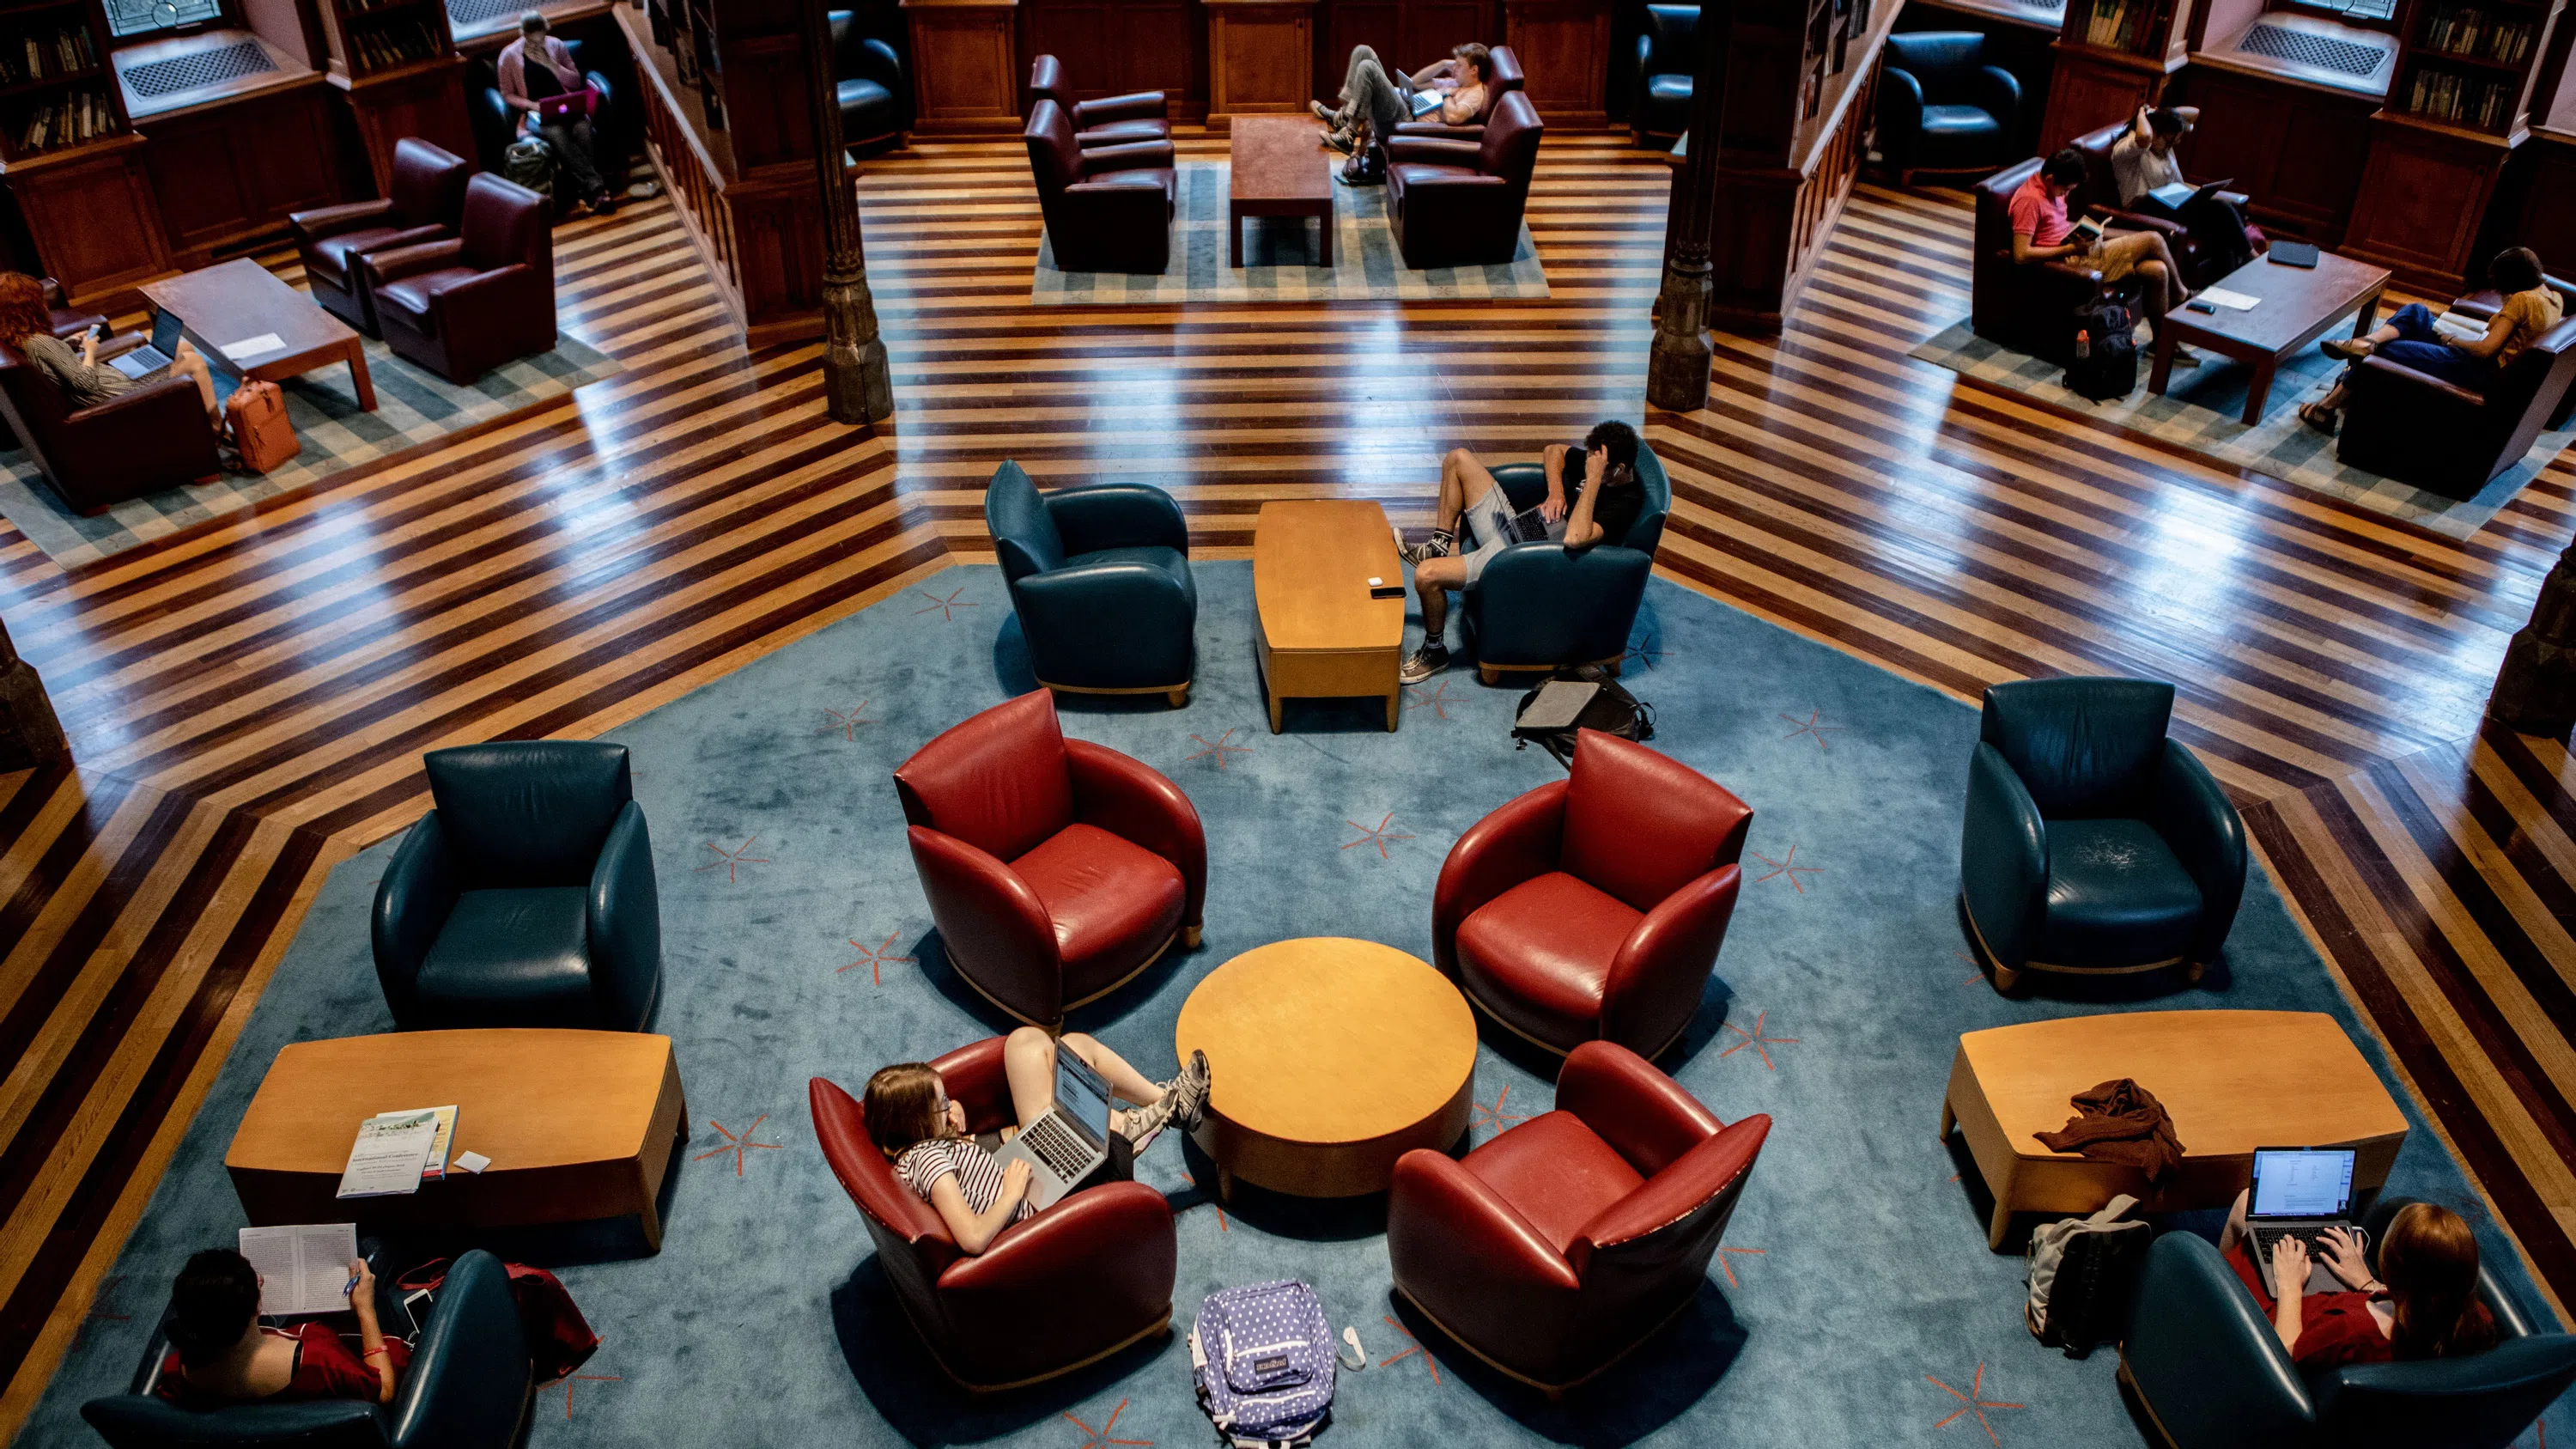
<point x="1677" y="364"/>
<point x="858" y="387"/>
<point x="966" y="69"/>
<point x="2536" y="690"/>
<point x="1564" y="46"/>
<point x="29" y="733"/>
<point x="1261" y="58"/>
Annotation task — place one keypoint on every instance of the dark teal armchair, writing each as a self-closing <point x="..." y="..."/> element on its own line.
<point x="467" y="1388"/>
<point x="1100" y="578"/>
<point x="1539" y="607"/>
<point x="526" y="898"/>
<point x="2212" y="1374"/>
<point x="2092" y="842"/>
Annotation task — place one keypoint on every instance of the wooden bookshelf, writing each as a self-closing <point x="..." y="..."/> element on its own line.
<point x="2468" y="65"/>
<point x="56" y="91"/>
<point x="395" y="64"/>
<point x="2113" y="56"/>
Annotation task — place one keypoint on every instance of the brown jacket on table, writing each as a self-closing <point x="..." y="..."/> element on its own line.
<point x="2120" y="1122"/>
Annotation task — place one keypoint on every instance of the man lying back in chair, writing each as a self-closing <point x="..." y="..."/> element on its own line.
<point x="1608" y="501"/>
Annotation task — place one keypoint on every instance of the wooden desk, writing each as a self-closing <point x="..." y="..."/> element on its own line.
<point x="1276" y="171"/>
<point x="2300" y="305"/>
<point x="2233" y="1081"/>
<point x="1329" y="1058"/>
<point x="239" y="300"/>
<point x="1318" y="633"/>
<point x="578" y="1124"/>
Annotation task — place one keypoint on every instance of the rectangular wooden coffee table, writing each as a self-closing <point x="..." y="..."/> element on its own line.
<point x="1319" y="634"/>
<point x="221" y="306"/>
<point x="578" y="1124"/>
<point x="2232" y="1081"/>
<point x="1278" y="170"/>
<point x="2300" y="305"/>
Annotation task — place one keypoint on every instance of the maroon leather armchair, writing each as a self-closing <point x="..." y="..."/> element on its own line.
<point x="151" y="438"/>
<point x="2026" y="307"/>
<point x="1594" y="907"/>
<point x="1457" y="203"/>
<point x="428" y="199"/>
<point x="1056" y="869"/>
<point x="1109" y="121"/>
<point x="2099" y="195"/>
<point x="1070" y="1286"/>
<point x="1556" y="1248"/>
<point x="1108" y="208"/>
<point x="1507" y="76"/>
<point x="2483" y="305"/>
<point x="2451" y="440"/>
<point x="464" y="306"/>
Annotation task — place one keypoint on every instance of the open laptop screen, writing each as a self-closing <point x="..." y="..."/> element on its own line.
<point x="1083" y="1095"/>
<point x="2301" y="1182"/>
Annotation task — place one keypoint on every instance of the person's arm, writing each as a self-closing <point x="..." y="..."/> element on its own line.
<point x="1552" y="463"/>
<point x="1461" y="106"/>
<point x="2026" y="250"/>
<point x="976" y="1231"/>
<point x="1434" y="71"/>
<point x="2345" y="1260"/>
<point x="1581" y="532"/>
<point x="2141" y="134"/>
<point x="2290" y="1279"/>
<point x="371" y="1338"/>
<point x="2500" y="330"/>
<point x="514" y="82"/>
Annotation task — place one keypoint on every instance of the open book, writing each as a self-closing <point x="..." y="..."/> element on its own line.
<point x="2087" y="233"/>
<point x="303" y="1268"/>
<point x="2459" y="328"/>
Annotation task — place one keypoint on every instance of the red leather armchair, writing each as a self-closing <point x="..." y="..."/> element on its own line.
<point x="1108" y="208"/>
<point x="1056" y="869"/>
<point x="1458" y="203"/>
<point x="1507" y="76"/>
<point x="428" y="199"/>
<point x="1109" y="121"/>
<point x="2026" y="307"/>
<point x="1072" y="1285"/>
<point x="1594" y="907"/>
<point x="1556" y="1248"/>
<point x="464" y="306"/>
<point x="152" y="437"/>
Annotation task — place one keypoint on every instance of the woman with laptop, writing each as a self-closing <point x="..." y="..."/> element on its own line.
<point x="978" y="1192"/>
<point x="26" y="325"/>
<point x="2421" y="1302"/>
<point x="539" y="80"/>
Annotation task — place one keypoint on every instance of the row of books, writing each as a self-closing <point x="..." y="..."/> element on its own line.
<point x="84" y="117"/>
<point x="2463" y="100"/>
<point x="2113" y="20"/>
<point x="2470" y="31"/>
<point x="66" y="51"/>
<point x="398" y="45"/>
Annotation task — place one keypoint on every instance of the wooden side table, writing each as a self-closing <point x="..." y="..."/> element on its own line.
<point x="1318" y="633"/>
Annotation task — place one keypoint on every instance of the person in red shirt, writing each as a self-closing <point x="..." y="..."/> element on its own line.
<point x="2041" y="232"/>
<point x="222" y="1354"/>
<point x="2422" y="1303"/>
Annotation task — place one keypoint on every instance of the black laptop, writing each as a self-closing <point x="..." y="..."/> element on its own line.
<point x="2299" y="1192"/>
<point x="2292" y="254"/>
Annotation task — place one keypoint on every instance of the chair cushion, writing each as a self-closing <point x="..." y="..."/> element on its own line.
<point x="1170" y="560"/>
<point x="1958" y="121"/>
<point x="517" y="957"/>
<point x="1557" y="1172"/>
<point x="1114" y="903"/>
<point x="867" y="109"/>
<point x="1409" y="172"/>
<point x="334" y="256"/>
<point x="410" y="296"/>
<point x="1538" y="955"/>
<point x="2116" y="896"/>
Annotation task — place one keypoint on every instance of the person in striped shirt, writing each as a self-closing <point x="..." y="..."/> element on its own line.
<point x="923" y="1133"/>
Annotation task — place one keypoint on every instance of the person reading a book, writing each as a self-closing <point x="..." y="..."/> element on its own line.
<point x="222" y="1354"/>
<point x="2149" y="180"/>
<point x="2422" y="1302"/>
<point x="2457" y="350"/>
<point x="1375" y="102"/>
<point x="1474" y="513"/>
<point x="26" y="324"/>
<point x="534" y="69"/>
<point x="923" y="1133"/>
<point x="2041" y="233"/>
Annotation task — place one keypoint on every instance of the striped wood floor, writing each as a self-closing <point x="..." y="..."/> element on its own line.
<point x="248" y="704"/>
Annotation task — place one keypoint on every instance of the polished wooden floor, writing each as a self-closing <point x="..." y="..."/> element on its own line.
<point x="248" y="703"/>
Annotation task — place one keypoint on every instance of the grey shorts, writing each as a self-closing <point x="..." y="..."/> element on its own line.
<point x="1488" y="522"/>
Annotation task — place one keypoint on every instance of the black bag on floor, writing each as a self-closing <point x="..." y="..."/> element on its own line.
<point x="2107" y="369"/>
<point x="2082" y="1273"/>
<point x="1584" y="697"/>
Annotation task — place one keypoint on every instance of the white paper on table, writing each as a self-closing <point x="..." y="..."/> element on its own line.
<point x="250" y="347"/>
<point x="472" y="1162"/>
<point x="389" y="1154"/>
<point x="2221" y="297"/>
<point x="303" y="1268"/>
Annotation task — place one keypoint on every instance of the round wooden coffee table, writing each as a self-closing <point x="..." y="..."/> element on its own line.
<point x="1330" y="1059"/>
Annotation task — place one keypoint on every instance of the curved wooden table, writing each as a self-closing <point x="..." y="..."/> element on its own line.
<point x="1330" y="1058"/>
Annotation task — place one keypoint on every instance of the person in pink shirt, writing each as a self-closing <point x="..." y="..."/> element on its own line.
<point x="2042" y="232"/>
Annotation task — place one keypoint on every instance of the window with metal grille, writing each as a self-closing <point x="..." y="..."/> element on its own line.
<point x="187" y="72"/>
<point x="466" y="14"/>
<point x="2343" y="57"/>
<point x="138" y="17"/>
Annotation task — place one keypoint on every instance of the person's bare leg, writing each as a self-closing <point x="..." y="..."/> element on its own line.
<point x="188" y="362"/>
<point x="1028" y="1064"/>
<point x="1463" y="479"/>
<point x="1433" y="579"/>
<point x="2159" y="292"/>
<point x="2173" y="271"/>
<point x="1125" y="1082"/>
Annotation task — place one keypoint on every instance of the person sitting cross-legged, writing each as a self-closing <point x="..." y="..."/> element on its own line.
<point x="1373" y="103"/>
<point x="2041" y="232"/>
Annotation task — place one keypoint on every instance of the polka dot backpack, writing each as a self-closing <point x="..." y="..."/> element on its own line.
<point x="1263" y="1359"/>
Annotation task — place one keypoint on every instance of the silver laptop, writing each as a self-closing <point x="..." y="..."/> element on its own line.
<point x="2299" y="1192"/>
<point x="1070" y="1142"/>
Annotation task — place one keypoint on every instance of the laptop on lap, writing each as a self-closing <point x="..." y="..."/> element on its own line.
<point x="1070" y="1143"/>
<point x="2298" y="1192"/>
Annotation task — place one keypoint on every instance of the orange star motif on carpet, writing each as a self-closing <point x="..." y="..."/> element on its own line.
<point x="875" y="958"/>
<point x="1493" y="1118"/>
<point x="1099" y="1438"/>
<point x="1427" y="1360"/>
<point x="1787" y="867"/>
<point x="1974" y="1402"/>
<point x="1437" y="700"/>
<point x="1376" y="835"/>
<point x="946" y="605"/>
<point x="732" y="860"/>
<point x="1729" y="1268"/>
<point x="739" y="1147"/>
<point x="1212" y="1202"/>
<point x="1755" y="1039"/>
<point x="846" y="725"/>
<point x="1812" y="729"/>
<point x="571" y="1379"/>
<point x="1220" y="747"/>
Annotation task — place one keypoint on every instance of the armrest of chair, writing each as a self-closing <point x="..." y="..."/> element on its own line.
<point x="1473" y="135"/>
<point x="1111" y="1242"/>
<point x="1998" y="92"/>
<point x="330" y="221"/>
<point x="401" y="262"/>
<point x="1063" y="613"/>
<point x="2073" y="272"/>
<point x="2237" y="199"/>
<point x="1092" y="516"/>
<point x="1447" y="1226"/>
<point x="1715" y="1167"/>
<point x="1516" y="843"/>
<point x="1644" y="1115"/>
<point x="1132" y="206"/>
<point x="989" y="916"/>
<point x="2203" y="1356"/>
<point x="1133" y="106"/>
<point x="2377" y="372"/>
<point x="159" y="403"/>
<point x="469" y="1375"/>
<point x="1900" y="100"/>
<point x="1098" y="161"/>
<point x="2198" y="821"/>
<point x="1656" y="979"/>
<point x="1132" y="800"/>
<point x="2140" y="221"/>
<point x="413" y="899"/>
<point x="1403" y="147"/>
<point x="2003" y="858"/>
<point x="877" y="61"/>
<point x="485" y="290"/>
<point x="626" y="924"/>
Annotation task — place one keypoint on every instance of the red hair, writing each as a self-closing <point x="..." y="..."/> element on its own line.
<point x="2429" y="1260"/>
<point x="23" y="310"/>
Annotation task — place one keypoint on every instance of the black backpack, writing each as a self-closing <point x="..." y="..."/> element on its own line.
<point x="2109" y="370"/>
<point x="1611" y="710"/>
<point x="2082" y="1274"/>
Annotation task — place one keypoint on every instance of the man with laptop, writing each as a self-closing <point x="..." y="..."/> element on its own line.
<point x="2149" y="180"/>
<point x="554" y="102"/>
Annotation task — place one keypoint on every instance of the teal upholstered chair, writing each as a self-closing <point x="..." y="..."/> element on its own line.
<point x="526" y="898"/>
<point x="2093" y="843"/>
<point x="1538" y="607"/>
<point x="1100" y="577"/>
<point x="2212" y="1374"/>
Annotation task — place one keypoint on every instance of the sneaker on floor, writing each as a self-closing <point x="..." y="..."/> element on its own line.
<point x="1340" y="141"/>
<point x="1326" y="114"/>
<point x="2185" y="357"/>
<point x="1425" y="662"/>
<point x="2345" y="349"/>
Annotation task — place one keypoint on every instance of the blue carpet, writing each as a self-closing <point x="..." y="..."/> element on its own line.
<point x="1857" y="1303"/>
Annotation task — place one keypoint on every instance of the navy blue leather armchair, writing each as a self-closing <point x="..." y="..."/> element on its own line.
<point x="2092" y="842"/>
<point x="1942" y="108"/>
<point x="1539" y="607"/>
<point x="467" y="1388"/>
<point x="1100" y="577"/>
<point x="2213" y="1375"/>
<point x="1667" y="62"/>
<point x="526" y="898"/>
<point x="868" y="81"/>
